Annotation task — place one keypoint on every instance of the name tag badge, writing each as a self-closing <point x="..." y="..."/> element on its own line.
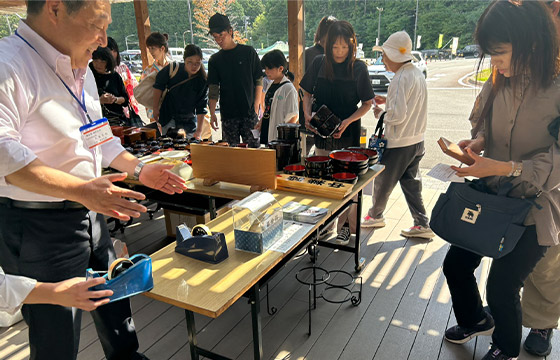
<point x="96" y="133"/>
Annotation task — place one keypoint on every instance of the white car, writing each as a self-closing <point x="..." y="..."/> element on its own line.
<point x="420" y="63"/>
<point x="380" y="77"/>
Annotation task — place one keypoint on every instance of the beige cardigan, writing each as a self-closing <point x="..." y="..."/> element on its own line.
<point x="518" y="131"/>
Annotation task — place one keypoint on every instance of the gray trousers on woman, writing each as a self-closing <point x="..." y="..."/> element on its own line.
<point x="402" y="165"/>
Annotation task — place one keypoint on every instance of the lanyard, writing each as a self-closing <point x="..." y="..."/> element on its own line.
<point x="81" y="103"/>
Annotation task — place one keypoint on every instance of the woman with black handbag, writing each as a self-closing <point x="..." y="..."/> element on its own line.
<point x="520" y="144"/>
<point x="339" y="81"/>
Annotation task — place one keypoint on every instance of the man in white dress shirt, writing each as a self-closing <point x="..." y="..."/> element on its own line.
<point x="52" y="194"/>
<point x="18" y="290"/>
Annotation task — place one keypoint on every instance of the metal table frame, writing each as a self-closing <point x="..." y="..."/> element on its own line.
<point x="253" y="294"/>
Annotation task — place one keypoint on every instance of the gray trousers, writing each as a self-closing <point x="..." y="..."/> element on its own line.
<point x="54" y="245"/>
<point x="541" y="292"/>
<point x="402" y="165"/>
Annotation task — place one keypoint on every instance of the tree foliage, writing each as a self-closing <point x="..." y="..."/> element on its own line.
<point x="263" y="22"/>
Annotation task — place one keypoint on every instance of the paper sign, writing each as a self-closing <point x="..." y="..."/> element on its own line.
<point x="444" y="173"/>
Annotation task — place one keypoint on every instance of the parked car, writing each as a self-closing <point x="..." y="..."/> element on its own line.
<point x="430" y="53"/>
<point x="176" y="53"/>
<point x="420" y="63"/>
<point x="132" y="59"/>
<point x="380" y="77"/>
<point x="469" y="50"/>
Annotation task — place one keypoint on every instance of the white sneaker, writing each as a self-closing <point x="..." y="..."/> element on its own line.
<point x="419" y="232"/>
<point x="370" y="222"/>
<point x="343" y="237"/>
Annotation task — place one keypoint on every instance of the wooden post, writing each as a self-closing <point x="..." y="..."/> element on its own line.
<point x="296" y="39"/>
<point x="143" y="27"/>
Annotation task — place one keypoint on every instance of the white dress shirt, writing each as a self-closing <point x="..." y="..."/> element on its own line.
<point x="407" y="108"/>
<point x="39" y="118"/>
<point x="13" y="290"/>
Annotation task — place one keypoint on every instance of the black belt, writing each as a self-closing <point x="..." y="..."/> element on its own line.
<point x="40" y="205"/>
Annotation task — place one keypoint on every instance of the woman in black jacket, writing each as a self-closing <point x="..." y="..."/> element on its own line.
<point x="112" y="93"/>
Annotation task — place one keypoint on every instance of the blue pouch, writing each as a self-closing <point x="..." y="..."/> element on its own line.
<point x="132" y="281"/>
<point x="377" y="141"/>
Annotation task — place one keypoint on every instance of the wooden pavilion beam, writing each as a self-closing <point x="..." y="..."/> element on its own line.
<point x="143" y="27"/>
<point x="296" y="38"/>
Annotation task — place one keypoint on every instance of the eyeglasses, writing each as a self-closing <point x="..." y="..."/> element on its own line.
<point x="194" y="64"/>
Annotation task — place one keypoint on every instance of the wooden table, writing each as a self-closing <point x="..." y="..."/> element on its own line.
<point x="211" y="289"/>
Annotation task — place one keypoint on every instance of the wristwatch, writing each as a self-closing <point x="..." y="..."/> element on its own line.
<point x="138" y="169"/>
<point x="516" y="168"/>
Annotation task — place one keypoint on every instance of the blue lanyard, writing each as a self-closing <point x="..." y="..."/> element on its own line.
<point x="81" y="103"/>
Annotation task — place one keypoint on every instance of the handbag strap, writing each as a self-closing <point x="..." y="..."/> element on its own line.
<point x="485" y="112"/>
<point x="379" y="128"/>
<point x="318" y="72"/>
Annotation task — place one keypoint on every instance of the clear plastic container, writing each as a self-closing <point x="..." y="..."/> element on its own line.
<point x="257" y="222"/>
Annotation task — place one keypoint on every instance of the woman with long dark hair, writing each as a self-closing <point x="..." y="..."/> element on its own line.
<point x="340" y="82"/>
<point x="187" y="95"/>
<point x="520" y="143"/>
<point x="112" y="93"/>
<point x="129" y="80"/>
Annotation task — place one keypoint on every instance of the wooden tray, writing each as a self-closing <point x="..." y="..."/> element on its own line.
<point x="256" y="167"/>
<point x="304" y="185"/>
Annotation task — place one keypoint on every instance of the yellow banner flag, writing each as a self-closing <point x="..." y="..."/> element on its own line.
<point x="440" y="42"/>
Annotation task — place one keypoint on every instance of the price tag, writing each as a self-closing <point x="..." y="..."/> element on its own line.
<point x="96" y="133"/>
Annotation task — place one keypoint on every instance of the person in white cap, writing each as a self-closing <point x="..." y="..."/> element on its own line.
<point x="405" y="120"/>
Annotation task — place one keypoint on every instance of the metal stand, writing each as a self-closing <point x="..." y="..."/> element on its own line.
<point x="358" y="261"/>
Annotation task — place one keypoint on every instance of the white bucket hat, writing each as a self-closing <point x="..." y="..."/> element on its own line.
<point x="397" y="47"/>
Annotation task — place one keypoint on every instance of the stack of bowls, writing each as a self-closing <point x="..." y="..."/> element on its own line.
<point x="283" y="153"/>
<point x="349" y="161"/>
<point x="294" y="170"/>
<point x="289" y="134"/>
<point x="371" y="153"/>
<point x="345" y="177"/>
<point x="318" y="167"/>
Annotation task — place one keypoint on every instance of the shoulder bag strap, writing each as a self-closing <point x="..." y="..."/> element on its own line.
<point x="180" y="83"/>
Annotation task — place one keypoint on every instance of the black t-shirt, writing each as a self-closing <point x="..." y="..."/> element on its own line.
<point x="269" y="96"/>
<point x="236" y="71"/>
<point x="341" y="95"/>
<point x="111" y="83"/>
<point x="311" y="53"/>
<point x="185" y="101"/>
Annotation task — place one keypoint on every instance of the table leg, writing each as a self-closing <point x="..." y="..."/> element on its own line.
<point x="254" y="299"/>
<point x="359" y="262"/>
<point x="212" y="207"/>
<point x="191" y="330"/>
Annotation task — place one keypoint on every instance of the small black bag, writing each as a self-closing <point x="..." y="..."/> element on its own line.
<point x="470" y="217"/>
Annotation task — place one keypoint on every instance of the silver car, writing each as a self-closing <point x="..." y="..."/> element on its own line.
<point x="380" y="77"/>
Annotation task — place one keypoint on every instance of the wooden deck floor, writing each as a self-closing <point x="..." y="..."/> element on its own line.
<point x="404" y="311"/>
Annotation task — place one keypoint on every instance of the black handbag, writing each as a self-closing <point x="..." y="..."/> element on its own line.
<point x="467" y="215"/>
<point x="471" y="217"/>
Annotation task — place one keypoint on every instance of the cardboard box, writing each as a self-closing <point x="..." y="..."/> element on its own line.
<point x="175" y="218"/>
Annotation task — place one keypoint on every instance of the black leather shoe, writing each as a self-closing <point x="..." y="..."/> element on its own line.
<point x="539" y="342"/>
